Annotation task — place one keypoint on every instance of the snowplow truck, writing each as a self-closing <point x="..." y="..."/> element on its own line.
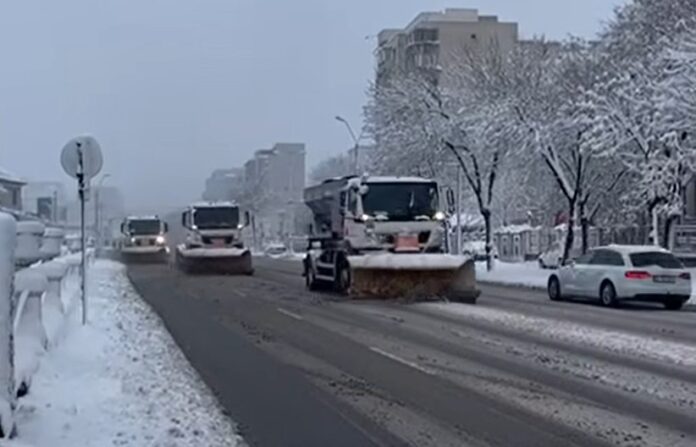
<point x="213" y="240"/>
<point x="383" y="238"/>
<point x="143" y="239"/>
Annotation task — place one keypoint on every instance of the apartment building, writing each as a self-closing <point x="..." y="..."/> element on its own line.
<point x="274" y="181"/>
<point x="224" y="185"/>
<point x="434" y="41"/>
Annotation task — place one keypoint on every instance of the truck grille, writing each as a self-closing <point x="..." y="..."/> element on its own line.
<point x="207" y="240"/>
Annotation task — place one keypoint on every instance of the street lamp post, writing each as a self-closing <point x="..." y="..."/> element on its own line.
<point x="97" y="206"/>
<point x="356" y="141"/>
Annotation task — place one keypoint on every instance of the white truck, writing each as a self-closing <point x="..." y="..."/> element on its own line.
<point x="383" y="237"/>
<point x="143" y="239"/>
<point x="213" y="240"/>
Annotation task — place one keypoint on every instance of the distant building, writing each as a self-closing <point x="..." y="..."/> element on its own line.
<point x="224" y="184"/>
<point x="105" y="203"/>
<point x="47" y="200"/>
<point x="10" y="190"/>
<point x="432" y="42"/>
<point x="274" y="181"/>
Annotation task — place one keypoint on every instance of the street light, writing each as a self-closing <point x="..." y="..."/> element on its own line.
<point x="97" y="217"/>
<point x="356" y="140"/>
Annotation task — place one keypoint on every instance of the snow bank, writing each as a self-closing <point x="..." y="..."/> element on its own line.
<point x="121" y="380"/>
<point x="8" y="235"/>
<point x="524" y="274"/>
<point x="616" y="341"/>
<point x="407" y="261"/>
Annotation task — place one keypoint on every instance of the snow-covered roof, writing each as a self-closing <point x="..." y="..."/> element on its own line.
<point x="628" y="249"/>
<point x="467" y="220"/>
<point x="220" y="204"/>
<point x="397" y="179"/>
<point x="7" y="176"/>
<point x="142" y="218"/>
<point x="510" y="229"/>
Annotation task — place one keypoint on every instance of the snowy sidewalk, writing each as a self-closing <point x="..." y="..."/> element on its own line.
<point x="120" y="381"/>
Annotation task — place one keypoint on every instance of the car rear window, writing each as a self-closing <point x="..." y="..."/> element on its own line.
<point x="664" y="260"/>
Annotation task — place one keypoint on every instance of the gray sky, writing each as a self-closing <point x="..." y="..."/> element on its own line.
<point x="174" y="89"/>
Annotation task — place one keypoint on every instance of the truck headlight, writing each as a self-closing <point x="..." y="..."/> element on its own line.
<point x="160" y="240"/>
<point x="240" y="227"/>
<point x="132" y="240"/>
<point x="439" y="216"/>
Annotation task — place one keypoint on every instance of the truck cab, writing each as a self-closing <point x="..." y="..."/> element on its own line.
<point x="213" y="225"/>
<point x="376" y="213"/>
<point x="142" y="236"/>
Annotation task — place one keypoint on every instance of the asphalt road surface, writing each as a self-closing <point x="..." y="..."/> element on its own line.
<point x="297" y="368"/>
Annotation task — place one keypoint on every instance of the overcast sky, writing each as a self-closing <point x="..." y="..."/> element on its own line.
<point x="173" y="89"/>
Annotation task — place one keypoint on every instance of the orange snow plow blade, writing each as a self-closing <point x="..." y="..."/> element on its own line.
<point x="413" y="277"/>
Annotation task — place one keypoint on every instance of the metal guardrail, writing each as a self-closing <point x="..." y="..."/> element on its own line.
<point x="37" y="291"/>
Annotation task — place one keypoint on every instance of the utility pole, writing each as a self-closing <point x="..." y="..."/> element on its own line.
<point x="356" y="143"/>
<point x="458" y="237"/>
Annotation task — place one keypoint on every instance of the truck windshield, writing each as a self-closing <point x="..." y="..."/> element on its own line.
<point x="401" y="201"/>
<point x="216" y="217"/>
<point x="144" y="227"/>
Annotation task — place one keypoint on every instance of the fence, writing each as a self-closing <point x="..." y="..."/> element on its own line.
<point x="37" y="290"/>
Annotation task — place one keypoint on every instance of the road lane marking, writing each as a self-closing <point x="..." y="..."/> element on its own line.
<point x="290" y="314"/>
<point x="398" y="359"/>
<point x="239" y="293"/>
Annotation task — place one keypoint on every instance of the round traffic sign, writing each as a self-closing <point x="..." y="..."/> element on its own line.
<point x="82" y="155"/>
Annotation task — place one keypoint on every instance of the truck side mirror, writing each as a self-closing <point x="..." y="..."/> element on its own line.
<point x="123" y="227"/>
<point x="310" y="229"/>
<point x="183" y="220"/>
<point x="247" y="219"/>
<point x="451" y="205"/>
<point x="166" y="227"/>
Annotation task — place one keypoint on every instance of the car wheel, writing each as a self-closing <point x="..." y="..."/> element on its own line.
<point x="554" y="289"/>
<point x="607" y="295"/>
<point x="674" y="304"/>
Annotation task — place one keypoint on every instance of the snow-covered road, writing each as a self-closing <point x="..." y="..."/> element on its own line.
<point x="515" y="369"/>
<point x="119" y="381"/>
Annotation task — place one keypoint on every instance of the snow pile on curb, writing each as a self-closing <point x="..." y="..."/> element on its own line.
<point x="121" y="380"/>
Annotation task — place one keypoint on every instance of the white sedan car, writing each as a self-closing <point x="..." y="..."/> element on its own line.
<point x="617" y="273"/>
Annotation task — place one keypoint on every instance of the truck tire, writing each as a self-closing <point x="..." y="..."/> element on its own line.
<point x="310" y="276"/>
<point x="343" y="278"/>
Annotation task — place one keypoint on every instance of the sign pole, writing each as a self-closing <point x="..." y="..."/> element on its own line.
<point x="83" y="244"/>
<point x="81" y="159"/>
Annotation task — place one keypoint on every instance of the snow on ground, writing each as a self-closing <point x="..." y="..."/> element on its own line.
<point x="525" y="274"/>
<point x="119" y="381"/>
<point x="610" y="340"/>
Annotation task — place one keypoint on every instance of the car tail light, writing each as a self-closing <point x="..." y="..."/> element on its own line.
<point x="638" y="275"/>
<point x="686" y="276"/>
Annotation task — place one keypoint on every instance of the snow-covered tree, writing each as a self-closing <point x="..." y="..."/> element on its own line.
<point x="337" y="166"/>
<point x="420" y="125"/>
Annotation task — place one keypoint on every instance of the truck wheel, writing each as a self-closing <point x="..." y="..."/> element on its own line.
<point x="343" y="277"/>
<point x="311" y="279"/>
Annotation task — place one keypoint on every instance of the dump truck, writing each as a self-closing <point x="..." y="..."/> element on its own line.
<point x="383" y="237"/>
<point x="213" y="240"/>
<point x="143" y="239"/>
